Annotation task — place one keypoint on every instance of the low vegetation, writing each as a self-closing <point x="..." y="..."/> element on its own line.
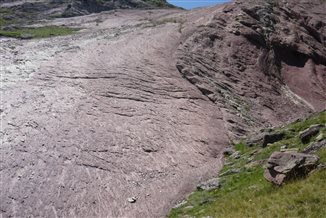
<point x="38" y="32"/>
<point x="12" y="25"/>
<point x="244" y="192"/>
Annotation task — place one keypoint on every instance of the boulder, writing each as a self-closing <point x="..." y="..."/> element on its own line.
<point x="265" y="138"/>
<point x="312" y="148"/>
<point x="285" y="166"/>
<point x="209" y="185"/>
<point x="313" y="130"/>
<point x="272" y="138"/>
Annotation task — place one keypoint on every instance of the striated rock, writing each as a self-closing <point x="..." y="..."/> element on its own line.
<point x="285" y="166"/>
<point x="310" y="132"/>
<point x="101" y="95"/>
<point x="105" y="114"/>
<point x="263" y="58"/>
<point x="314" y="147"/>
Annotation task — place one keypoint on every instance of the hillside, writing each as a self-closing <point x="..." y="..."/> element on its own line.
<point x="122" y="113"/>
<point x="262" y="62"/>
<point x="244" y="192"/>
<point x="29" y="11"/>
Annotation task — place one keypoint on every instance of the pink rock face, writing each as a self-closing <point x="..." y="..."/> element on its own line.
<point x="96" y="118"/>
<point x="284" y="166"/>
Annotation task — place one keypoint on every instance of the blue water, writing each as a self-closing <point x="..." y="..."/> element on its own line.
<point x="189" y="4"/>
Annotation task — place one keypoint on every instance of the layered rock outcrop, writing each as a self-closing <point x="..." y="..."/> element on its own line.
<point x="263" y="62"/>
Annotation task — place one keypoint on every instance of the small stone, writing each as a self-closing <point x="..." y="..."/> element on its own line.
<point x="26" y="36"/>
<point x="236" y="155"/>
<point x="284" y="147"/>
<point x="209" y="185"/>
<point x="229" y="172"/>
<point x="149" y="149"/>
<point x="228" y="151"/>
<point x="132" y="200"/>
<point x="290" y="150"/>
<point x="180" y="204"/>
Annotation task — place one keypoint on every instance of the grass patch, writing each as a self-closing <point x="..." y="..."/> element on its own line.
<point x="38" y="32"/>
<point x="248" y="194"/>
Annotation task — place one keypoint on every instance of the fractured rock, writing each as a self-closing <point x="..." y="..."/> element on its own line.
<point x="272" y="138"/>
<point x="313" y="130"/>
<point x="314" y="147"/>
<point x="284" y="166"/>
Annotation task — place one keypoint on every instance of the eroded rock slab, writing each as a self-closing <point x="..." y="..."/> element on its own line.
<point x="285" y="166"/>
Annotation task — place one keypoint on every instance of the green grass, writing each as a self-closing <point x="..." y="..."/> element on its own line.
<point x="38" y="32"/>
<point x="248" y="194"/>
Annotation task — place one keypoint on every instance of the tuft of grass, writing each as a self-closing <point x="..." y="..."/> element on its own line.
<point x="299" y="125"/>
<point x="248" y="194"/>
<point x="38" y="32"/>
<point x="322" y="155"/>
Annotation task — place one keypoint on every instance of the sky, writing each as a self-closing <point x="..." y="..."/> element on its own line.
<point x="189" y="4"/>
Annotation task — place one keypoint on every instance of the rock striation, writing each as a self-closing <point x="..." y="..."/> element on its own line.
<point x="143" y="102"/>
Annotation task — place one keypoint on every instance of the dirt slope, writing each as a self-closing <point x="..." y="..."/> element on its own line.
<point x="92" y="119"/>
